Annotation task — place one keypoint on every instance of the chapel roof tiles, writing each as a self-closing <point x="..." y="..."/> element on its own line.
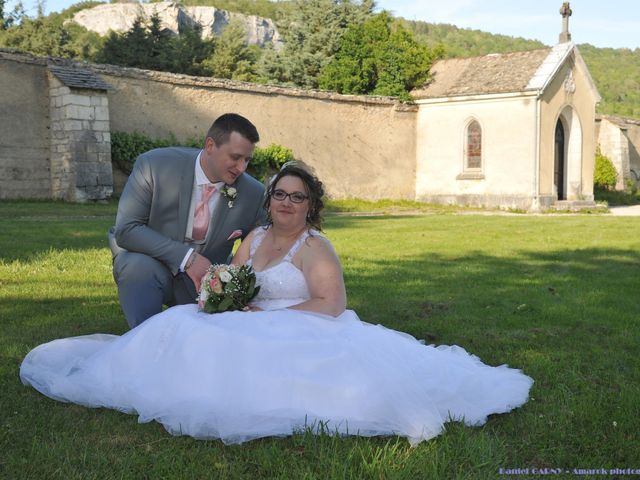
<point x="488" y="74"/>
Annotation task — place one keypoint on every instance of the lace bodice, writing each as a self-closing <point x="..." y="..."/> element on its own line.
<point x="283" y="284"/>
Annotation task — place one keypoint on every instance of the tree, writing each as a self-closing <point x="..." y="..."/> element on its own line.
<point x="129" y="48"/>
<point x="50" y="36"/>
<point x="151" y="47"/>
<point x="190" y="51"/>
<point x="311" y="30"/>
<point x="377" y="57"/>
<point x="9" y="19"/>
<point x="232" y="57"/>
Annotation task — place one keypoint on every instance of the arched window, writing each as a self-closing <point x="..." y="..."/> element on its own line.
<point x="473" y="151"/>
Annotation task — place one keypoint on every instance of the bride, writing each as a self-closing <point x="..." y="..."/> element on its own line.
<point x="296" y="360"/>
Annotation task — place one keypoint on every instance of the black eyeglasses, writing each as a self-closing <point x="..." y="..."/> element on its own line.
<point x="295" y="197"/>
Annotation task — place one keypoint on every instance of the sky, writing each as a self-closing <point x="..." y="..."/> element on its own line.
<point x="602" y="23"/>
<point x="613" y="23"/>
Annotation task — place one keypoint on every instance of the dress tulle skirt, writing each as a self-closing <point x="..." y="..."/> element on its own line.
<point x="238" y="376"/>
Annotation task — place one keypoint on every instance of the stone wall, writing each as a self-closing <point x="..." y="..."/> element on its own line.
<point x="24" y="129"/>
<point x="359" y="146"/>
<point x="54" y="139"/>
<point x="80" y="143"/>
<point x="615" y="146"/>
<point x="619" y="140"/>
<point x="633" y="134"/>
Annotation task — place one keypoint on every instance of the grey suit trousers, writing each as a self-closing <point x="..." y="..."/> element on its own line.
<point x="145" y="284"/>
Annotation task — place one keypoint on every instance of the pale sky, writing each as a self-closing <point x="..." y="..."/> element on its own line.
<point x="602" y="23"/>
<point x="612" y="23"/>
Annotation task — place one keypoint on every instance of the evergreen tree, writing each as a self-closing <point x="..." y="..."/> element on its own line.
<point x="130" y="48"/>
<point x="232" y="57"/>
<point x="155" y="49"/>
<point x="311" y="30"/>
<point x="190" y="51"/>
<point x="377" y="57"/>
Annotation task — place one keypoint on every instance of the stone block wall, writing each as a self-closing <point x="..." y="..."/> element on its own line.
<point x="55" y="140"/>
<point x="55" y="136"/>
<point x="359" y="146"/>
<point x="24" y="129"/>
<point x="633" y="136"/>
<point x="80" y="143"/>
<point x="614" y="144"/>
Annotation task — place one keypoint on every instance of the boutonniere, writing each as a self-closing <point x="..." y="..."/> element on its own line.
<point x="230" y="194"/>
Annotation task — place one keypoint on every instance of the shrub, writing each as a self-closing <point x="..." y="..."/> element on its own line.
<point x="266" y="161"/>
<point x="125" y="148"/>
<point x="630" y="185"/>
<point x="605" y="176"/>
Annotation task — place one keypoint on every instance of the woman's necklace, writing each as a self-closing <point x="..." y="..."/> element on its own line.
<point x="287" y="242"/>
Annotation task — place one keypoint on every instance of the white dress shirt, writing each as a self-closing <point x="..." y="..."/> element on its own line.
<point x="199" y="181"/>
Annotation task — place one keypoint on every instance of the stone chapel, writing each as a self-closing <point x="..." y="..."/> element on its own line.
<point x="508" y="130"/>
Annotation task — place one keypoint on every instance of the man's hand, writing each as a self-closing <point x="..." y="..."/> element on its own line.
<point x="197" y="269"/>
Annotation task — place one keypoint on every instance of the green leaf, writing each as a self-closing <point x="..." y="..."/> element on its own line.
<point x="225" y="304"/>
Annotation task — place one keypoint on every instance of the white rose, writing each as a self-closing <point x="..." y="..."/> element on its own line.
<point x="231" y="192"/>
<point x="225" y="276"/>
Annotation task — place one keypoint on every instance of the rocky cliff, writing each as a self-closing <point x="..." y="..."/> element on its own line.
<point x="119" y="17"/>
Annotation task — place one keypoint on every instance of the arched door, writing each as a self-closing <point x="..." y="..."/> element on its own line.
<point x="559" y="162"/>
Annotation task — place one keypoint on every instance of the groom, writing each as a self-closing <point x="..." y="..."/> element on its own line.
<point x="181" y="210"/>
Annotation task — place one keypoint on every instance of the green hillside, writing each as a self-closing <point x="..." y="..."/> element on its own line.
<point x="616" y="72"/>
<point x="463" y="42"/>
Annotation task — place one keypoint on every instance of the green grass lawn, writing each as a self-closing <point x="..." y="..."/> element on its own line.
<point x="557" y="296"/>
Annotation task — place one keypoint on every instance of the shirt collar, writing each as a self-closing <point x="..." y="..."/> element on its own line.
<point x="201" y="178"/>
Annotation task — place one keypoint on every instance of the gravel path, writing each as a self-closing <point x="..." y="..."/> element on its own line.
<point x="626" y="211"/>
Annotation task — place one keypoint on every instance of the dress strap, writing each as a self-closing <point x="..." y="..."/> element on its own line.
<point x="256" y="241"/>
<point x="298" y="243"/>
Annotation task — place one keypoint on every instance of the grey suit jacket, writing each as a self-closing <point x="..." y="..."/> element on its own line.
<point x="154" y="207"/>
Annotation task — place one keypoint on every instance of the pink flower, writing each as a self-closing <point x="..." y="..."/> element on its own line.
<point x="215" y="285"/>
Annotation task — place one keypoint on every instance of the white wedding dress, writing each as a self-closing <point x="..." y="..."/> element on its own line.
<point x="238" y="376"/>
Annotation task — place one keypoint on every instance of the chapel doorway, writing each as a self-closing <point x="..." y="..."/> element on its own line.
<point x="559" y="162"/>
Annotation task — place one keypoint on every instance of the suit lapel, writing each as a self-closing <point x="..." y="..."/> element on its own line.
<point x="222" y="210"/>
<point x="186" y="190"/>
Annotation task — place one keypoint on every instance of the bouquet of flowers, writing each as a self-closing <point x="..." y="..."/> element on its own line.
<point x="227" y="287"/>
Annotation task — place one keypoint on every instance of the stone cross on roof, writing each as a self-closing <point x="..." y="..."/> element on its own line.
<point x="566" y="12"/>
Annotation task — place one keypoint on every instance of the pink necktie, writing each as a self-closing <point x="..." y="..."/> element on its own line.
<point x="201" y="215"/>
